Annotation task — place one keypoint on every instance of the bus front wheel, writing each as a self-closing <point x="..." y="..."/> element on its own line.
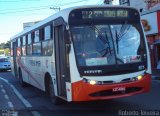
<point x="55" y="100"/>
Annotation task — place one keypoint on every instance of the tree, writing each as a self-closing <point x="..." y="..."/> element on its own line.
<point x="5" y="45"/>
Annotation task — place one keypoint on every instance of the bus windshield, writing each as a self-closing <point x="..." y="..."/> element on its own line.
<point x="110" y="44"/>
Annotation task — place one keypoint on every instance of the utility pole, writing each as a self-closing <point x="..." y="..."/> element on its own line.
<point x="55" y="8"/>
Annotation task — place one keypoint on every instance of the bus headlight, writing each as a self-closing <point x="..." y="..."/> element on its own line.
<point x="92" y="82"/>
<point x="139" y="77"/>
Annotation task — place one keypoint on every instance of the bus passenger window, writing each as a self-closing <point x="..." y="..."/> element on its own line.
<point x="36" y="36"/>
<point x="47" y="32"/>
<point x="36" y="48"/>
<point x="29" y="45"/>
<point x="19" y="47"/>
<point x="19" y="42"/>
<point x="47" y="48"/>
<point x="36" y="44"/>
<point x="24" y="45"/>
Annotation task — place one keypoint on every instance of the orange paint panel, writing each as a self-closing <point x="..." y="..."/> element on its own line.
<point x="81" y="90"/>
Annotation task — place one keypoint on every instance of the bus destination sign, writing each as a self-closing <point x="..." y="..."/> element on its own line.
<point x="104" y="14"/>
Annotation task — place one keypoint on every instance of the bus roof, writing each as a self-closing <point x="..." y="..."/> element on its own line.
<point x="64" y="13"/>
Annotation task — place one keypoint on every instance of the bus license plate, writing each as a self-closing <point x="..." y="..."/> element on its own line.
<point x="119" y="89"/>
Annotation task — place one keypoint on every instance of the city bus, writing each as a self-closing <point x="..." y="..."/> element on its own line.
<point x="84" y="53"/>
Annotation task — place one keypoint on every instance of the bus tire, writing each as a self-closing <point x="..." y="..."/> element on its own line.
<point x="55" y="100"/>
<point x="22" y="83"/>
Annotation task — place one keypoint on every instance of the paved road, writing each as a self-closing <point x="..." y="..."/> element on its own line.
<point x="30" y="101"/>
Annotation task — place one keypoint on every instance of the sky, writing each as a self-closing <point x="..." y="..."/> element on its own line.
<point x="13" y="13"/>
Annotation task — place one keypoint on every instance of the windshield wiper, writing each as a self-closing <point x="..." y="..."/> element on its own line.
<point x="123" y="30"/>
<point x="105" y="40"/>
<point x="93" y="27"/>
<point x="107" y="46"/>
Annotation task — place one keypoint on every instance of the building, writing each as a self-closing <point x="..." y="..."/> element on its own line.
<point x="142" y="5"/>
<point x="29" y="24"/>
<point x="150" y="16"/>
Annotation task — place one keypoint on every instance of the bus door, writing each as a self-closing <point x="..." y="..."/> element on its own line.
<point x="60" y="55"/>
<point x="14" y="58"/>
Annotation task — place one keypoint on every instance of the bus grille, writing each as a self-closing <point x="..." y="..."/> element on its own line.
<point x="111" y="93"/>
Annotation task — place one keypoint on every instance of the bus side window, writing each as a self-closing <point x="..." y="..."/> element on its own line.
<point x="47" y="32"/>
<point x="36" y="43"/>
<point x="24" y="45"/>
<point x="47" y="44"/>
<point x="29" y="45"/>
<point x="19" y="46"/>
<point x="11" y="50"/>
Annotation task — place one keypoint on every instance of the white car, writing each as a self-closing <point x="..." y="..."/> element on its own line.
<point x="5" y="64"/>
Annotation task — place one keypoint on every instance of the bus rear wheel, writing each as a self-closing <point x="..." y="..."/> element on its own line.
<point x="22" y="83"/>
<point x="55" y="100"/>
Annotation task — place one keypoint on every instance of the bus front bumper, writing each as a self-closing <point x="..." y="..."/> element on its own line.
<point x="82" y="91"/>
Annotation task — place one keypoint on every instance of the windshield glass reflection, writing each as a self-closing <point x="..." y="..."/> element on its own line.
<point x="107" y="44"/>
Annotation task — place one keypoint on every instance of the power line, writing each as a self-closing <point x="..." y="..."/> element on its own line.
<point x="56" y="8"/>
<point x="39" y="8"/>
<point x="18" y="1"/>
<point x="56" y="1"/>
<point x="21" y="11"/>
<point x="44" y="6"/>
<point x="24" y="8"/>
<point x="65" y="4"/>
<point x="99" y="2"/>
<point x="59" y="1"/>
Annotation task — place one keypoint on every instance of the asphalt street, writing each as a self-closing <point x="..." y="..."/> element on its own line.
<point x="26" y="101"/>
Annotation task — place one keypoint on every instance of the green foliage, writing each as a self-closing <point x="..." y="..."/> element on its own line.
<point x="5" y="48"/>
<point x="5" y="45"/>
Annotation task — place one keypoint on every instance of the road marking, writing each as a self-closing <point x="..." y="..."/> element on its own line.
<point x="35" y="113"/>
<point x="6" y="97"/>
<point x="24" y="101"/>
<point x="10" y="104"/>
<point x="4" y="91"/>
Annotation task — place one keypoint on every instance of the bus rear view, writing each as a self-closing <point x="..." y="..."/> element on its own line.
<point x="111" y="55"/>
